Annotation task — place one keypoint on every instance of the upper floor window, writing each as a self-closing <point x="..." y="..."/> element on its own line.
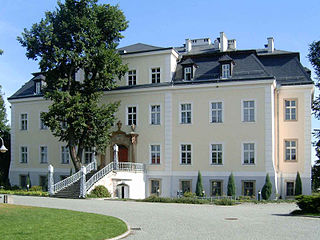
<point x="132" y="77"/>
<point x="42" y="125"/>
<point x="65" y="155"/>
<point x="216" y="154"/>
<point x="24" y="121"/>
<point x="248" y="153"/>
<point x="185" y="154"/>
<point x="225" y="71"/>
<point x="187" y="73"/>
<point x="185" y="113"/>
<point x="155" y="114"/>
<point x="43" y="154"/>
<point x="38" y="87"/>
<point x="291" y="150"/>
<point x="155" y="75"/>
<point x="132" y="115"/>
<point x="216" y="112"/>
<point x="88" y="155"/>
<point x="290" y="110"/>
<point x="155" y="154"/>
<point x="24" y="154"/>
<point x="248" y="111"/>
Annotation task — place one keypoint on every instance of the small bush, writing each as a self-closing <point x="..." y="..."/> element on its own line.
<point x="100" y="192"/>
<point x="309" y="204"/>
<point x="15" y="187"/>
<point x="267" y="189"/>
<point x="189" y="195"/>
<point x="231" y="186"/>
<point x="224" y="201"/>
<point x="188" y="200"/>
<point x="298" y="186"/>
<point x="36" y="188"/>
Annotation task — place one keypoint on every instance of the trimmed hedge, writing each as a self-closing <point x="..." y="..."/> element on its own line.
<point x="309" y="204"/>
<point x="25" y="193"/>
<point x="189" y="200"/>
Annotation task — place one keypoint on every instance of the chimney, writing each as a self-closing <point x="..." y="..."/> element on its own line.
<point x="188" y="45"/>
<point x="223" y="42"/>
<point x="270" y="44"/>
<point x="232" y="44"/>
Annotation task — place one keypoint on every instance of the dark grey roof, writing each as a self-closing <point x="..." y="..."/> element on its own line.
<point x="286" y="68"/>
<point x="254" y="64"/>
<point x="246" y="65"/>
<point x="139" y="47"/>
<point x="225" y="58"/>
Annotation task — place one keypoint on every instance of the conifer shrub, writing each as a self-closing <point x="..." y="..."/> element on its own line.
<point x="231" y="186"/>
<point x="309" y="204"/>
<point x="298" y="187"/>
<point x="267" y="189"/>
<point x="199" y="187"/>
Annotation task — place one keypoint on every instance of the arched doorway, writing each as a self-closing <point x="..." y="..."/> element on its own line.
<point x="123" y="153"/>
<point x="123" y="190"/>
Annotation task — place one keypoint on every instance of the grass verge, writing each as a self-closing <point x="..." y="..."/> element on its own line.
<point x="22" y="222"/>
<point x="25" y="193"/>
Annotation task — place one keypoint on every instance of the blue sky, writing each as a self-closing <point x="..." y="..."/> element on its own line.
<point x="293" y="24"/>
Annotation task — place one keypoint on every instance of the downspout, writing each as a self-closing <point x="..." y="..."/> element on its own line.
<point x="278" y="144"/>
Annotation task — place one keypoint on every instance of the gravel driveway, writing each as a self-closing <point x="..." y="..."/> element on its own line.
<point x="185" y="221"/>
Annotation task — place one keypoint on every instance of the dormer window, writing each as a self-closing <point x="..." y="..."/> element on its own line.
<point x="225" y="71"/>
<point x="187" y="73"/>
<point x="38" y="87"/>
<point x="226" y="67"/>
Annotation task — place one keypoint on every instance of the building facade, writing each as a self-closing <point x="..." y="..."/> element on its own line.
<point x="205" y="106"/>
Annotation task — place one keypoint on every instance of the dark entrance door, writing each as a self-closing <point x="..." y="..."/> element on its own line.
<point x="123" y="153"/>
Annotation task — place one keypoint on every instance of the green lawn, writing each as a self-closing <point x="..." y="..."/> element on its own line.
<point x="22" y="222"/>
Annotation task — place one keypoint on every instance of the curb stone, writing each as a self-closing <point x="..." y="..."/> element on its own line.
<point x="124" y="235"/>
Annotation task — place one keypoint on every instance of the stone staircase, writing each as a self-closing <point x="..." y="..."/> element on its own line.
<point x="73" y="191"/>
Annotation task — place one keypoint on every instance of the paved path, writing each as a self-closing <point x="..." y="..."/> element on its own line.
<point x="184" y="221"/>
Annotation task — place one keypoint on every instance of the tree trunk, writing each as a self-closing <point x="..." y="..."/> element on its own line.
<point x="75" y="159"/>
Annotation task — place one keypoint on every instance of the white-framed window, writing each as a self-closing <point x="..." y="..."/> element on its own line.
<point x="155" y="75"/>
<point x="185" y="154"/>
<point x="186" y="113"/>
<point x="216" y="187"/>
<point x="38" y="87"/>
<point x="225" y="71"/>
<point x="290" y="110"/>
<point x="290" y="188"/>
<point x="187" y="73"/>
<point x="132" y="77"/>
<point x="248" y="111"/>
<point x="216" y="154"/>
<point x="155" y="154"/>
<point x="23" y="154"/>
<point x="249" y="153"/>
<point x="65" y="157"/>
<point x="155" y="187"/>
<point x="43" y="154"/>
<point x="155" y="114"/>
<point x="132" y="115"/>
<point x="88" y="155"/>
<point x="42" y="125"/>
<point x="290" y="150"/>
<point x="23" y="121"/>
<point x="216" y="111"/>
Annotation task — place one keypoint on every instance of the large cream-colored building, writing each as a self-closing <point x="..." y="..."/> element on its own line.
<point x="205" y="106"/>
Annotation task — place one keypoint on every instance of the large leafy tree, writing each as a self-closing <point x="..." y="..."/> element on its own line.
<point x="314" y="58"/>
<point x="79" y="37"/>
<point x="5" y="135"/>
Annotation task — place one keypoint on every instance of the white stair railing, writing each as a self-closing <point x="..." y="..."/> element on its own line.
<point x="120" y="166"/>
<point x="73" y="178"/>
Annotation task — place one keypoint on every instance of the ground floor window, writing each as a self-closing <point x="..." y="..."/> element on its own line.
<point x="23" y="181"/>
<point x="185" y="185"/>
<point x="290" y="189"/>
<point x="248" y="188"/>
<point x="216" y="188"/>
<point x="43" y="182"/>
<point x="155" y="187"/>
